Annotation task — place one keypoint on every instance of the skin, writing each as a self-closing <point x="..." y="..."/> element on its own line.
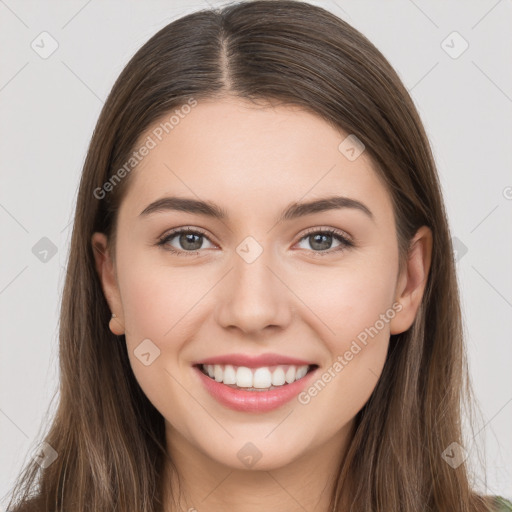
<point x="253" y="162"/>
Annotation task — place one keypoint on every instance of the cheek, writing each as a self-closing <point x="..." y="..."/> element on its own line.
<point x="156" y="305"/>
<point x="155" y="294"/>
<point x="352" y="310"/>
<point x="347" y="299"/>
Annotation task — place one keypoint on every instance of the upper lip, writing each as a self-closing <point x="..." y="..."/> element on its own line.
<point x="248" y="361"/>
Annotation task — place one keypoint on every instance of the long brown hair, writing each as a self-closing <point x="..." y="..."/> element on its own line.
<point x="109" y="438"/>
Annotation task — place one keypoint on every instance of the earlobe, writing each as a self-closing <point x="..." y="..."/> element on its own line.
<point x="106" y="273"/>
<point x="116" y="325"/>
<point x="413" y="280"/>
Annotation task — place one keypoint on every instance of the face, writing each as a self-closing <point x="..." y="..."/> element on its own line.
<point x="317" y="288"/>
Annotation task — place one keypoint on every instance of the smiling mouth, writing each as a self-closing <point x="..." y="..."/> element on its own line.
<point x="256" y="379"/>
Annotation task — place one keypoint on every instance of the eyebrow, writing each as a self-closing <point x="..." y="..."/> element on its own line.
<point x="292" y="211"/>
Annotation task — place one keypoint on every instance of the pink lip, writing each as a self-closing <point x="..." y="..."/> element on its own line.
<point x="253" y="361"/>
<point x="254" y="401"/>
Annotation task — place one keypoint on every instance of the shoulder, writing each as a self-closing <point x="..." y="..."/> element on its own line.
<point x="502" y="504"/>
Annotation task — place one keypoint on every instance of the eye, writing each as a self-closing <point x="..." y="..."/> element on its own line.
<point x="320" y="240"/>
<point x="189" y="240"/>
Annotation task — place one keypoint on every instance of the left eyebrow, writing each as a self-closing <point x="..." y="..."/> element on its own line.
<point x="296" y="210"/>
<point x="292" y="211"/>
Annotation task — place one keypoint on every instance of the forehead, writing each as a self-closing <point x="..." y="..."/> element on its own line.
<point x="244" y="156"/>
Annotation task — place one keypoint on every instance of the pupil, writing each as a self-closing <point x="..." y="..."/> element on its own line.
<point x="320" y="236"/>
<point x="187" y="238"/>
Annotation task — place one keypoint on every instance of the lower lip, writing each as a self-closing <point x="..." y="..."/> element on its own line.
<point x="254" y="401"/>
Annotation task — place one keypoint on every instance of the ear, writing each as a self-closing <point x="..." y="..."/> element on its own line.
<point x="106" y="272"/>
<point x="412" y="281"/>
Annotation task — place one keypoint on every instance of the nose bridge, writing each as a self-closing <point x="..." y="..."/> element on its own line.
<point x="254" y="297"/>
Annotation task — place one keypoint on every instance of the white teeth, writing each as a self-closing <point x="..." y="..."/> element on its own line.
<point x="301" y="371"/>
<point x="290" y="374"/>
<point x="259" y="378"/>
<point x="229" y="375"/>
<point x="244" y="377"/>
<point x="262" y="378"/>
<point x="278" y="377"/>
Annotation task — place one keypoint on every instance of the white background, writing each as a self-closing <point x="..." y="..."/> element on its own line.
<point x="48" y="109"/>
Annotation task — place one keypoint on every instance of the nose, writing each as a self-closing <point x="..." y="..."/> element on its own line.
<point x="254" y="296"/>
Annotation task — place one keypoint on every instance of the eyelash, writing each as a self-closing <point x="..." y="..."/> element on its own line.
<point x="344" y="241"/>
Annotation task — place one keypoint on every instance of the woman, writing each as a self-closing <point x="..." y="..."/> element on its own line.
<point x="261" y="309"/>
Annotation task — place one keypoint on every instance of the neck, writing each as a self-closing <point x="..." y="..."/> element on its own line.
<point x="305" y="483"/>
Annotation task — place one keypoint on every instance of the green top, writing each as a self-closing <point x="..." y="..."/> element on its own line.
<point x="503" y="505"/>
